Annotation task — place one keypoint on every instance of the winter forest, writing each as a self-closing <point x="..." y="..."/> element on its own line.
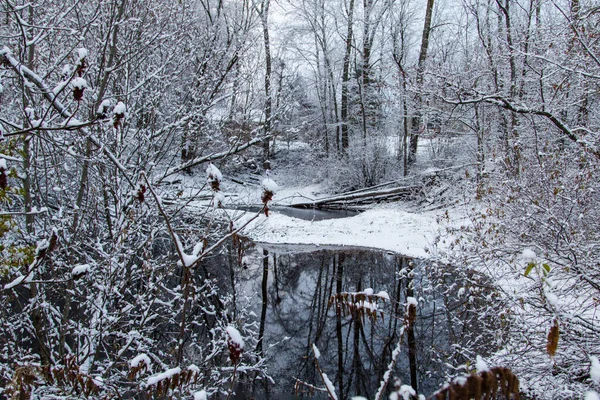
<point x="278" y="199"/>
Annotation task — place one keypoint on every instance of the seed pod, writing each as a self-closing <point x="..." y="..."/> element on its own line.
<point x="552" y="344"/>
<point x="3" y="179"/>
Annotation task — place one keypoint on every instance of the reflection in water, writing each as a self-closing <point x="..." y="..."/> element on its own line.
<point x="309" y="214"/>
<point x="355" y="348"/>
<point x="354" y="351"/>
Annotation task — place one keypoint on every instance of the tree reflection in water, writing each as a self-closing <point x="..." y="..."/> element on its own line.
<point x="357" y="348"/>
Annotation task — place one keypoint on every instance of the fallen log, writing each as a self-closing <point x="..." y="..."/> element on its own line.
<point x="369" y="197"/>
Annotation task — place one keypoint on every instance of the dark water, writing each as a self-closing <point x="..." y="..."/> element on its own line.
<point x="308" y="214"/>
<point x="300" y="311"/>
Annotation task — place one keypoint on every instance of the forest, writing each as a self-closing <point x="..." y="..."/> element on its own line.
<point x="150" y="150"/>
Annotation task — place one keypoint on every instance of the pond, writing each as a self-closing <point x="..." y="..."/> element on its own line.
<point x="355" y="341"/>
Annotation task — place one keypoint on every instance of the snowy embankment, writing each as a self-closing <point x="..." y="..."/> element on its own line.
<point x="406" y="233"/>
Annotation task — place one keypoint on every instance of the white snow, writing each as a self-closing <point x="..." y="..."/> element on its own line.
<point x="595" y="369"/>
<point x="552" y="298"/>
<point x="66" y="70"/>
<point x="135" y="362"/>
<point x="3" y="164"/>
<point x="82" y="53"/>
<point x="412" y="300"/>
<point x="528" y="255"/>
<point x="591" y="395"/>
<point x="316" y="351"/>
<point x="80" y="269"/>
<point x="213" y="173"/>
<point x="368" y="291"/>
<point x="79" y="83"/>
<point x="406" y="391"/>
<point x="15" y="282"/>
<point x="384" y="295"/>
<point x="103" y="106"/>
<point x="412" y="233"/>
<point x="330" y="386"/>
<point x="73" y="122"/>
<point x="162" y="376"/>
<point x="120" y="108"/>
<point x="235" y="336"/>
<point x="201" y="395"/>
<point x="188" y="260"/>
<point x="218" y="200"/>
<point x="270" y="185"/>
<point x="481" y="365"/>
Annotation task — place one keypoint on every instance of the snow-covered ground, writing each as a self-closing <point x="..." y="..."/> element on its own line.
<point x="387" y="228"/>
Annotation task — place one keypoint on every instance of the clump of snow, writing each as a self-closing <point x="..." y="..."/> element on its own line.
<point x="66" y="70"/>
<point x="162" y="376"/>
<point x="405" y="392"/>
<point x="3" y="164"/>
<point x="481" y="365"/>
<point x="411" y="300"/>
<point x="73" y="122"/>
<point x="330" y="387"/>
<point x="235" y="336"/>
<point x="368" y="291"/>
<point x="135" y="362"/>
<point x="591" y="395"/>
<point x="188" y="260"/>
<point x="79" y="83"/>
<point x="316" y="351"/>
<point x="82" y="53"/>
<point x="30" y="112"/>
<point x="269" y="185"/>
<point x="98" y="381"/>
<point x="461" y="292"/>
<point x="552" y="298"/>
<point x="15" y="282"/>
<point x="201" y="395"/>
<point x="384" y="295"/>
<point x="79" y="270"/>
<point x="194" y="368"/>
<point x="528" y="255"/>
<point x="218" y="200"/>
<point x="595" y="369"/>
<point x="104" y="106"/>
<point x="1" y="89"/>
<point x="213" y="173"/>
<point x="120" y="108"/>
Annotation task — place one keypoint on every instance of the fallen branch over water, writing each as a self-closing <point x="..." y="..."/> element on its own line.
<point x="364" y="197"/>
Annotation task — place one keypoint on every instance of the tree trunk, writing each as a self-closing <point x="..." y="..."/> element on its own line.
<point x="346" y="78"/>
<point x="416" y="120"/>
<point x="264" y="19"/>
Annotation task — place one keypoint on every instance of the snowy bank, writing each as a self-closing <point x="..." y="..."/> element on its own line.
<point x="403" y="232"/>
